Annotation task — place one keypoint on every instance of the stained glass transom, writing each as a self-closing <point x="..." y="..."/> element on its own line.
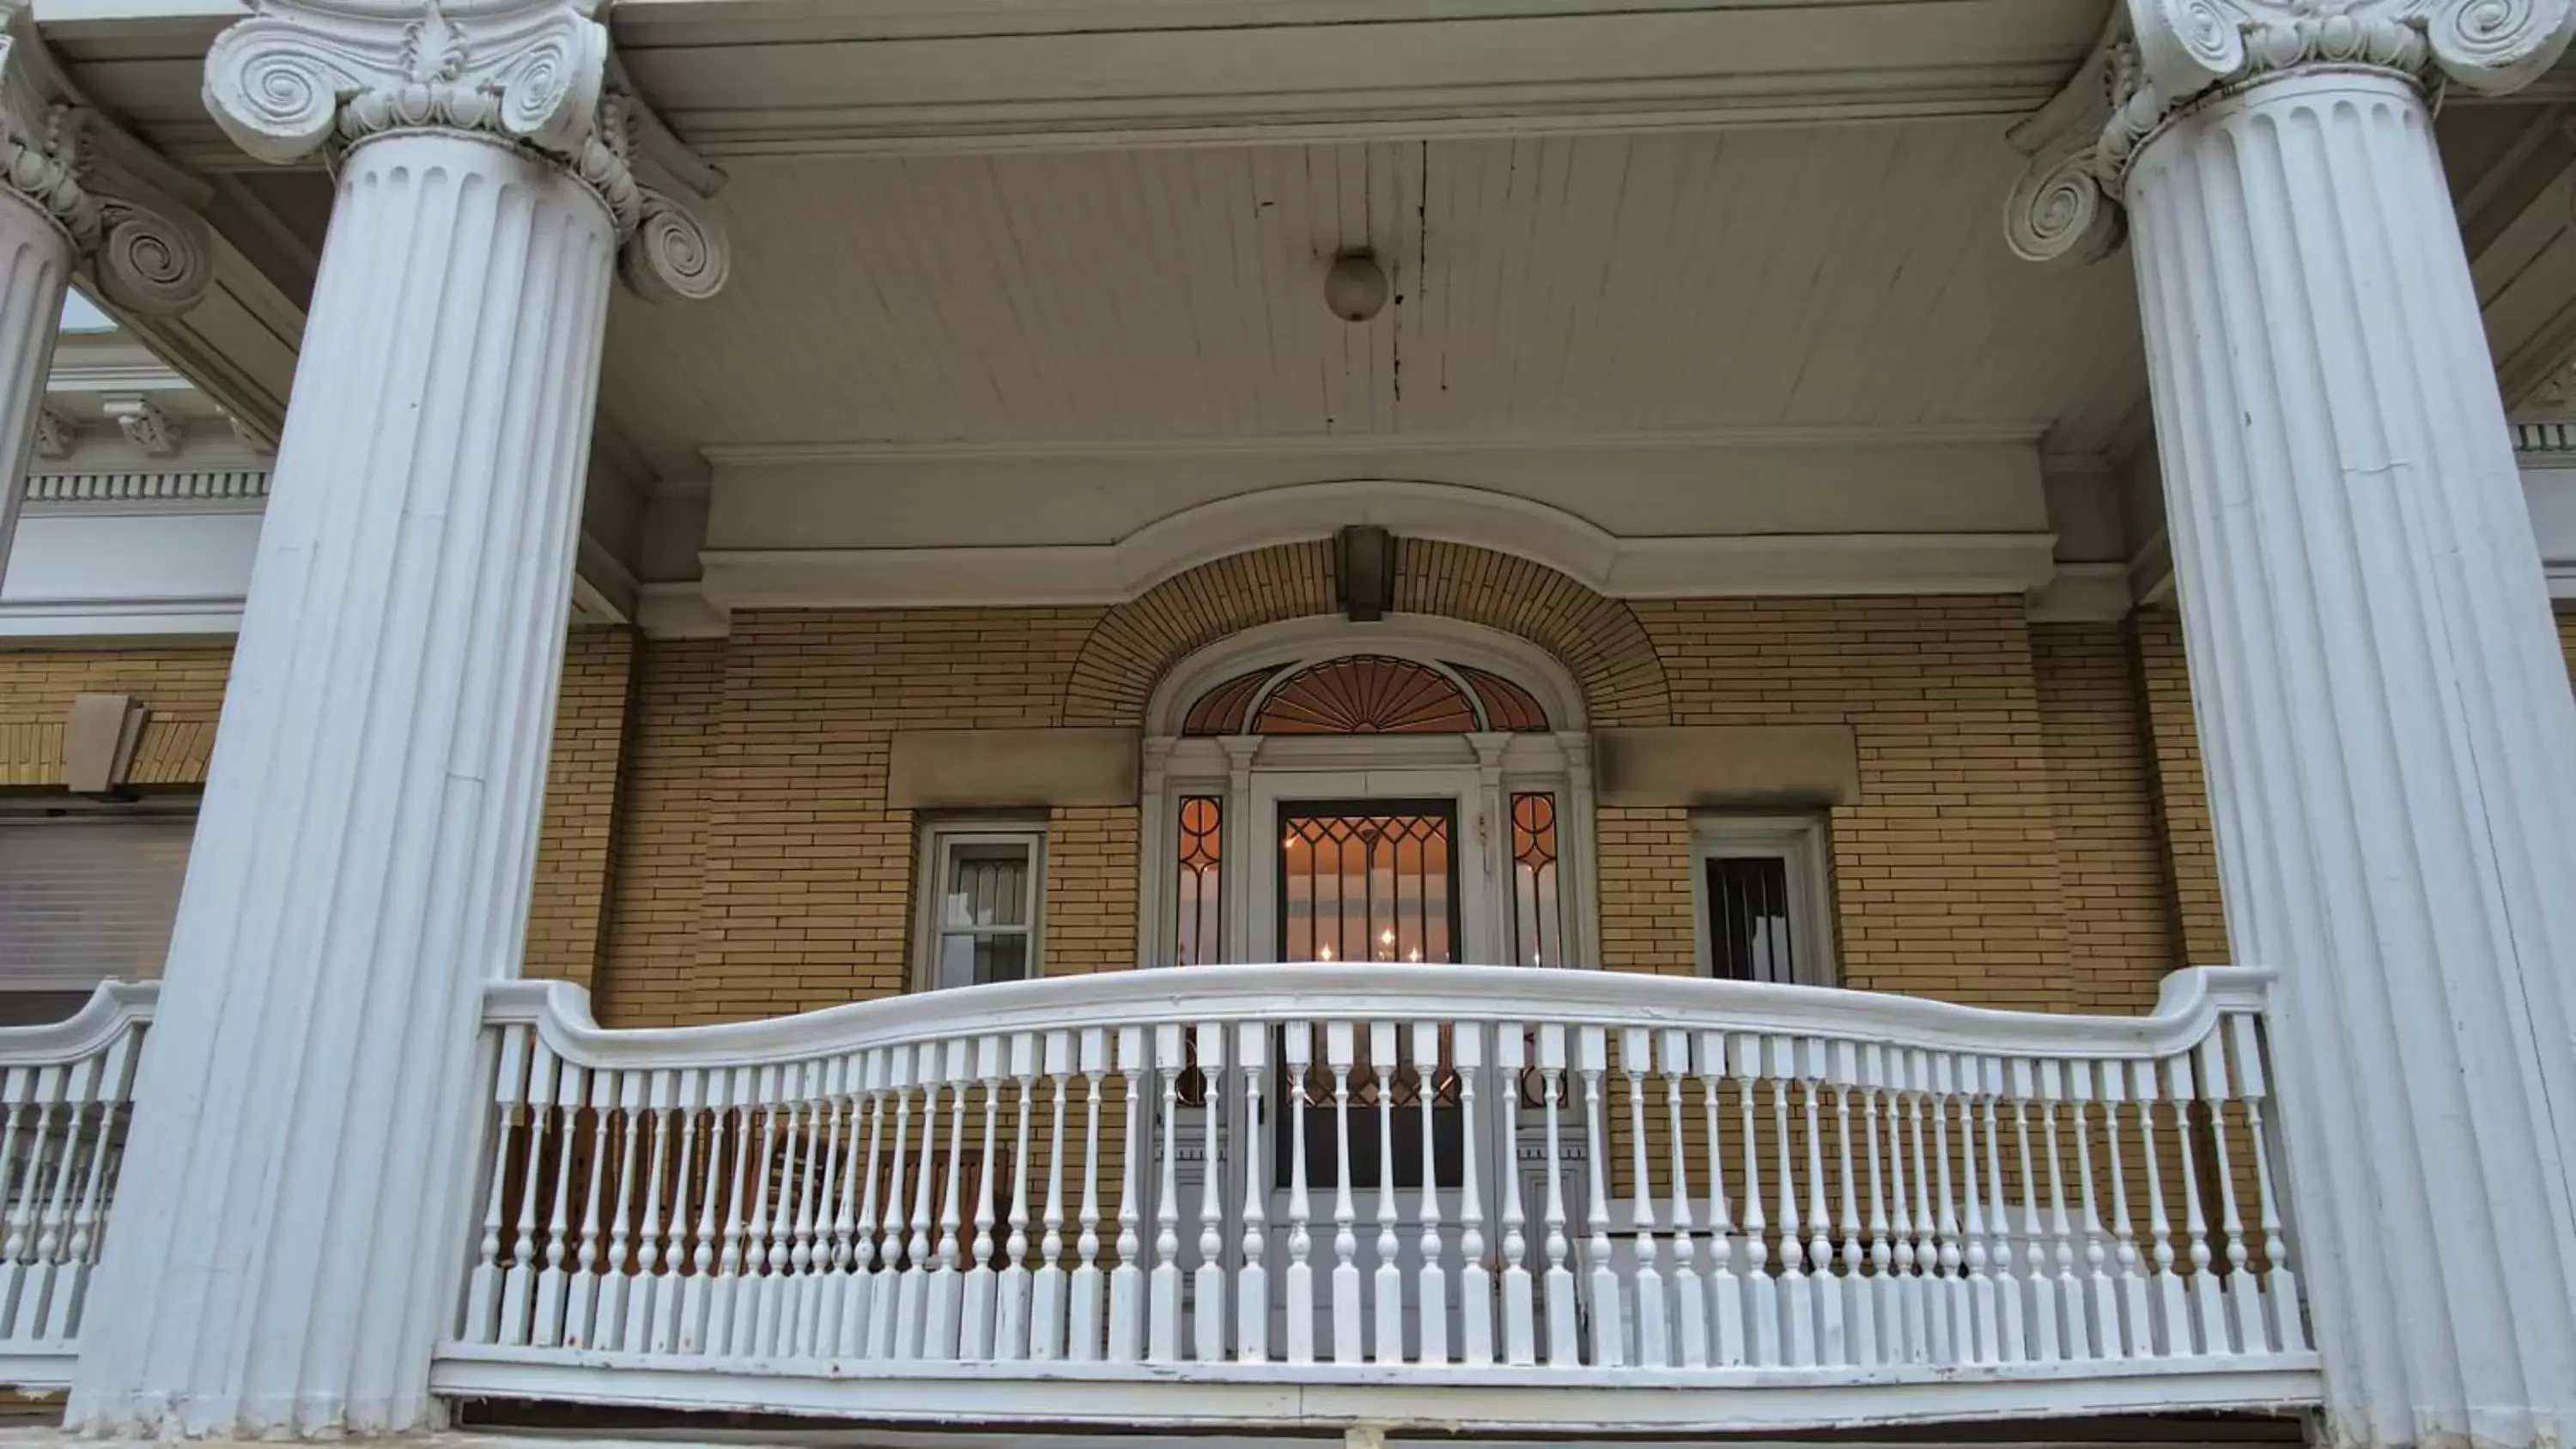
<point x="1366" y="694"/>
<point x="1363" y="694"/>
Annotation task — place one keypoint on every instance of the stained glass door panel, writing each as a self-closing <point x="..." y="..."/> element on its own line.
<point x="1371" y="881"/>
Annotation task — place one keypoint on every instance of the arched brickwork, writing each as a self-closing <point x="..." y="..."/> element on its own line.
<point x="1596" y="637"/>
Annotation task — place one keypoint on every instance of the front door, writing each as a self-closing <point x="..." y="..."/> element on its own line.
<point x="1390" y="876"/>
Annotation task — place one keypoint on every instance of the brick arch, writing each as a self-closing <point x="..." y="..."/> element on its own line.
<point x="1596" y="637"/>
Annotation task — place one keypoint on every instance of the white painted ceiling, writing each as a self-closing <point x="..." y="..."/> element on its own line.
<point x="1796" y="277"/>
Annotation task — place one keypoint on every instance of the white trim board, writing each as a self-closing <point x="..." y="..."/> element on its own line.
<point x="1658" y="568"/>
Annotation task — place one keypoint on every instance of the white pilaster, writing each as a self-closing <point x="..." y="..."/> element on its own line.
<point x="2383" y="708"/>
<point x="290" y="1223"/>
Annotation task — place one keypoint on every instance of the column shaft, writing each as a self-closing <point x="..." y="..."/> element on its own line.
<point x="35" y="266"/>
<point x="288" y="1237"/>
<point x="2389" y="735"/>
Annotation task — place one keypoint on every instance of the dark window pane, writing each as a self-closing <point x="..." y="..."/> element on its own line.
<point x="1752" y="934"/>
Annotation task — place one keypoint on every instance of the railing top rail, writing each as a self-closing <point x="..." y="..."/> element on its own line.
<point x="2187" y="1007"/>
<point x="111" y="1009"/>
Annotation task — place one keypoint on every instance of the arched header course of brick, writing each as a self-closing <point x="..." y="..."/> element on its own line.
<point x="1596" y="637"/>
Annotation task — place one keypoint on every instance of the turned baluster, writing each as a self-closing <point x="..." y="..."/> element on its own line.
<point x="1127" y="1282"/>
<point x="1690" y="1290"/>
<point x="1047" y="1284"/>
<point x="2010" y="1329"/>
<point x="1957" y="1333"/>
<point x="1725" y="1289"/>
<point x="975" y="1322"/>
<point x="1762" y="1297"/>
<point x="1011" y="1289"/>
<point x="1387" y="1283"/>
<point x="2137" y="1325"/>
<point x="1431" y="1307"/>
<point x="2207" y="1300"/>
<point x="1653" y="1311"/>
<point x="1340" y="1055"/>
<point x="1252" y="1274"/>
<point x="2064" y="1292"/>
<point x="1828" y="1310"/>
<point x="1163" y="1337"/>
<point x="583" y="1301"/>
<point x="1982" y="1346"/>
<point x="2242" y="1294"/>
<point x="482" y="1285"/>
<point x="1860" y="1312"/>
<point x="2280" y="1284"/>
<point x="1083" y="1330"/>
<point x="1520" y="1313"/>
<point x="1299" y="1284"/>
<point x="885" y="1308"/>
<point x="2103" y="1304"/>
<point x="1563" y="1348"/>
<point x="1476" y="1284"/>
<point x="861" y="1305"/>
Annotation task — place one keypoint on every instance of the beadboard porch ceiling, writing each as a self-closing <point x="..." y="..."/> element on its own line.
<point x="1049" y="229"/>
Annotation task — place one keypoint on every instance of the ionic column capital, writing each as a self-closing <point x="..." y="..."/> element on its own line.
<point x="129" y="216"/>
<point x="2160" y="60"/>
<point x="307" y="76"/>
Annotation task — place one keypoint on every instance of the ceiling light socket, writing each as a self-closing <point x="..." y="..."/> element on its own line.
<point x="1355" y="288"/>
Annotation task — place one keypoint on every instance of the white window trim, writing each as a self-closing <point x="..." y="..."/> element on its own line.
<point x="930" y="873"/>
<point x="1798" y="840"/>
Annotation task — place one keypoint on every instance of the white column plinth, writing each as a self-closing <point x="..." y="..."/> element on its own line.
<point x="35" y="268"/>
<point x="287" y="1238"/>
<point x="2389" y="735"/>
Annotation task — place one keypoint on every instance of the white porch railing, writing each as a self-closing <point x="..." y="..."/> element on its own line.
<point x="1465" y="1196"/>
<point x="66" y="1090"/>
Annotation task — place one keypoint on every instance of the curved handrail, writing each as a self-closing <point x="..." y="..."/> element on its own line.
<point x="111" y="1008"/>
<point x="2188" y="1005"/>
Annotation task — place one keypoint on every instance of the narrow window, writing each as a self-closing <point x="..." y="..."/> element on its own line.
<point x="983" y="909"/>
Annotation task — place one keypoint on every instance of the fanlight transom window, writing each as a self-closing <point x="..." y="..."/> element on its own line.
<point x="1359" y="694"/>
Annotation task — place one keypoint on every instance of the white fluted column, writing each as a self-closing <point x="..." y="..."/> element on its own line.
<point x="2384" y="712"/>
<point x="35" y="269"/>
<point x="292" y="1217"/>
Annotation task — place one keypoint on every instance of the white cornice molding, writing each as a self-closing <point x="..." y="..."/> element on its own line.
<point x="145" y="489"/>
<point x="1335" y="445"/>
<point x="1700" y="566"/>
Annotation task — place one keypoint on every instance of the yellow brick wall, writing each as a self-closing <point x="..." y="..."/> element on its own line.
<point x="182" y="686"/>
<point x="1945" y="872"/>
<point x="2120" y="930"/>
<point x="567" y="904"/>
<point x="795" y="874"/>
<point x="2180" y="793"/>
<point x="717" y="843"/>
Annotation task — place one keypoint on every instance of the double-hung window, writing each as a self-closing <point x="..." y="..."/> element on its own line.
<point x="982" y="884"/>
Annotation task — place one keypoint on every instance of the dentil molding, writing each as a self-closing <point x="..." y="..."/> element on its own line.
<point x="2159" y="59"/>
<point x="302" y="76"/>
<point x="130" y="216"/>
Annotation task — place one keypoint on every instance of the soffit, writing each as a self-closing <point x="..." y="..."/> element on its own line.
<point x="1803" y="278"/>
